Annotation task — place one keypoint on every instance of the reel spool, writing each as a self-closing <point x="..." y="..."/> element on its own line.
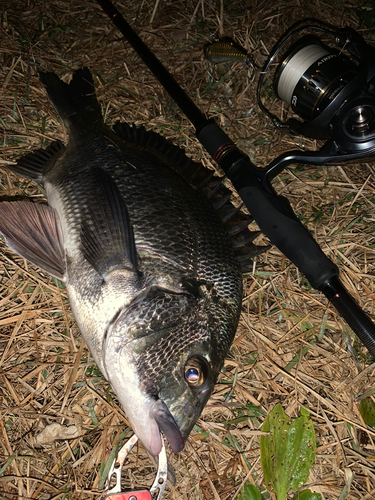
<point x="332" y="92"/>
<point x="311" y="77"/>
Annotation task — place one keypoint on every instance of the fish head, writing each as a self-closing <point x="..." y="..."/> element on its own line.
<point x="162" y="357"/>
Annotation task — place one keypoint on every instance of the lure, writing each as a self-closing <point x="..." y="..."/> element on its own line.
<point x="158" y="485"/>
<point x="226" y="51"/>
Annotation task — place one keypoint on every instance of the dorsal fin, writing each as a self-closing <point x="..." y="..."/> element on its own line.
<point x="156" y="144"/>
<point x="238" y="225"/>
<point x="209" y="184"/>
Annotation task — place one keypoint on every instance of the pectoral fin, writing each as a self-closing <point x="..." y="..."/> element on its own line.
<point x="107" y="238"/>
<point x="33" y="231"/>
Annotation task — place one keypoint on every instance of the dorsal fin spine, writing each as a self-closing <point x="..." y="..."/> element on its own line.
<point x="204" y="179"/>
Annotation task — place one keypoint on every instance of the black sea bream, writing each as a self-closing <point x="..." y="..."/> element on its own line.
<point x="151" y="273"/>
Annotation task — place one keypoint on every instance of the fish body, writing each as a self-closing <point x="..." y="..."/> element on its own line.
<point x="151" y="274"/>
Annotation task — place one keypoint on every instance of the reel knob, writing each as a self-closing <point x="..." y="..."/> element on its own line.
<point x="359" y="120"/>
<point x="353" y="128"/>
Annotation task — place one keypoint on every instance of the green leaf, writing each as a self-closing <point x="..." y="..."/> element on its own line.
<point x="323" y="326"/>
<point x="7" y="463"/>
<point x="249" y="492"/>
<point x="93" y="416"/>
<point x="106" y="467"/>
<point x="296" y="359"/>
<point x="287" y="452"/>
<point x="307" y="495"/>
<point x="367" y="410"/>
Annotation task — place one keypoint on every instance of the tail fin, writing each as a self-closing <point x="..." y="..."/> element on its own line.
<point x="76" y="103"/>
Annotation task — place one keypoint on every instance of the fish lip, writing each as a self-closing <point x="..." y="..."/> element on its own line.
<point x="167" y="424"/>
<point x="153" y="415"/>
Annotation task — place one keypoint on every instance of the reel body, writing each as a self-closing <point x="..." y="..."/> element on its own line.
<point x="332" y="92"/>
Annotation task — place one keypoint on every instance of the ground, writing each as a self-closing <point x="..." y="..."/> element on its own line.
<point x="291" y="345"/>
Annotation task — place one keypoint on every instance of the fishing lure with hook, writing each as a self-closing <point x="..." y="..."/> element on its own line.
<point x="226" y="50"/>
<point x="158" y="485"/>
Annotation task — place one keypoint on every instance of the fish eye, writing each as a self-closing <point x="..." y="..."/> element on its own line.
<point x="196" y="371"/>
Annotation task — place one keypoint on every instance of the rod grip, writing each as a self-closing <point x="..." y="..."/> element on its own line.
<point x="278" y="222"/>
<point x="276" y="219"/>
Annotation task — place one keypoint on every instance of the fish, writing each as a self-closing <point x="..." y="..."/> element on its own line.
<point x="150" y="250"/>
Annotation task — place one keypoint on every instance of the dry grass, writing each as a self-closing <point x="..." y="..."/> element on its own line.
<point x="47" y="376"/>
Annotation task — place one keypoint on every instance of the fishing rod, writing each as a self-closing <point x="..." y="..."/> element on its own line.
<point x="273" y="213"/>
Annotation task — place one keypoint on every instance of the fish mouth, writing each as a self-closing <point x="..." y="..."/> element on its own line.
<point x="168" y="426"/>
<point x="148" y="415"/>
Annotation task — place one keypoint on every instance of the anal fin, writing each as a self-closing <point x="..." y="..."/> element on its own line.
<point x="32" y="165"/>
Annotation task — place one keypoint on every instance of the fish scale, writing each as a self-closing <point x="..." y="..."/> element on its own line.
<point x="152" y="276"/>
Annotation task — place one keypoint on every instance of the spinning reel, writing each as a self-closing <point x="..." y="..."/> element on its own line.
<point x="331" y="89"/>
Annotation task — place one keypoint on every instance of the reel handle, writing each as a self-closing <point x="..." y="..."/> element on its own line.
<point x="329" y="154"/>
